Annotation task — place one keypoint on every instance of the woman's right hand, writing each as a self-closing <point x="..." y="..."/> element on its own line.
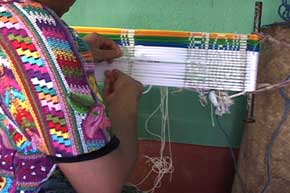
<point x="122" y="93"/>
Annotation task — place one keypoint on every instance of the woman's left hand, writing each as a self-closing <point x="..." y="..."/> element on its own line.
<point x="103" y="49"/>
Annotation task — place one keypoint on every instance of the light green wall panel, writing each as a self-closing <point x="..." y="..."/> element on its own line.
<point x="190" y="122"/>
<point x="190" y="15"/>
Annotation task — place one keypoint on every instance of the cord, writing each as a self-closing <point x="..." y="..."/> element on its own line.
<point x="269" y="147"/>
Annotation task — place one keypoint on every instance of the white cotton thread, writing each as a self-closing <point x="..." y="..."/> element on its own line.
<point x="221" y="101"/>
<point x="147" y="90"/>
<point x="202" y="95"/>
<point x="262" y="88"/>
<point x="161" y="165"/>
<point x="213" y="98"/>
<point x="212" y="115"/>
<point x="237" y="95"/>
<point x="177" y="91"/>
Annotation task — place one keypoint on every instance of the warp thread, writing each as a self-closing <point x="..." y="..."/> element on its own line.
<point x="266" y="86"/>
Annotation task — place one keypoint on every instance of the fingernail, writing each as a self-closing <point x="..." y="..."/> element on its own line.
<point x="115" y="71"/>
<point x="108" y="72"/>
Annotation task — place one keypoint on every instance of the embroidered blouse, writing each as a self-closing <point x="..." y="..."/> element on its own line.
<point x="50" y="107"/>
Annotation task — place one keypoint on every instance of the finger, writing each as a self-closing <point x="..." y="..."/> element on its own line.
<point x="108" y="87"/>
<point x="117" y="48"/>
<point x="119" y="51"/>
<point x="109" y="44"/>
<point x="115" y="75"/>
<point x="108" y="76"/>
<point x="108" y="73"/>
<point x="116" y="79"/>
<point x="111" y="80"/>
<point x="110" y="61"/>
<point x="108" y="54"/>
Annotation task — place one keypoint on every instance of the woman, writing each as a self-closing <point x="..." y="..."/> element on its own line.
<point x="52" y="86"/>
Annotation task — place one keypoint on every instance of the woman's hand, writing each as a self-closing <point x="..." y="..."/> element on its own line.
<point x="122" y="93"/>
<point x="103" y="49"/>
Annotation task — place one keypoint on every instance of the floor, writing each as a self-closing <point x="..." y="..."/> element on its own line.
<point x="197" y="169"/>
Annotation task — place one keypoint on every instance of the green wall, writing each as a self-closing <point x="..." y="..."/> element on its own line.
<point x="190" y="123"/>
<point x="191" y="15"/>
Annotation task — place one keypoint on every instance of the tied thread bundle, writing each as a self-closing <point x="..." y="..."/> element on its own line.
<point x="185" y="59"/>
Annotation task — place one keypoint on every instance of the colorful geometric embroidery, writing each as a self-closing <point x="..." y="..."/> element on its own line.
<point x="50" y="104"/>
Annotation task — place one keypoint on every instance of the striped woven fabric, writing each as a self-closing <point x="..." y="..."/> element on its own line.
<point x="185" y="59"/>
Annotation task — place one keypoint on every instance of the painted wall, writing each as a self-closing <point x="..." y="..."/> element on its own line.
<point x="190" y="123"/>
<point x="190" y="15"/>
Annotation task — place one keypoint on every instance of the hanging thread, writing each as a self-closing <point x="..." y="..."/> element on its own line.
<point x="147" y="90"/>
<point x="220" y="127"/>
<point x="163" y="164"/>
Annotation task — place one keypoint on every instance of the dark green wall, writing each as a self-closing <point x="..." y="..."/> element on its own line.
<point x="190" y="123"/>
